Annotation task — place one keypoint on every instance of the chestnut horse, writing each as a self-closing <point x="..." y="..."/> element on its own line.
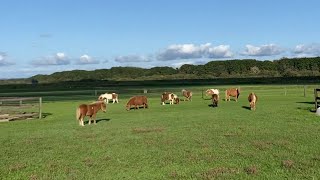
<point x="234" y="92"/>
<point x="137" y="101"/>
<point x="90" y="110"/>
<point x="252" y="98"/>
<point x="187" y="94"/>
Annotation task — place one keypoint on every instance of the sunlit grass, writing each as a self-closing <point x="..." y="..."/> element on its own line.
<point x="186" y="141"/>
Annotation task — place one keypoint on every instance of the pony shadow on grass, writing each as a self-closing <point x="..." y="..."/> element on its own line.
<point x="213" y="106"/>
<point x="97" y="121"/>
<point x="140" y="107"/>
<point x="44" y="115"/>
<point x="311" y="109"/>
<point x="246" y="107"/>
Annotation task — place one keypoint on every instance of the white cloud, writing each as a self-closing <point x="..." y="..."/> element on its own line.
<point x="264" y="50"/>
<point x="4" y="59"/>
<point x="307" y="50"/>
<point x="57" y="59"/>
<point x="133" y="58"/>
<point x="191" y="51"/>
<point x="86" y="59"/>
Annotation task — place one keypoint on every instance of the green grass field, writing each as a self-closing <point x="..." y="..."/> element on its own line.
<point x="280" y="140"/>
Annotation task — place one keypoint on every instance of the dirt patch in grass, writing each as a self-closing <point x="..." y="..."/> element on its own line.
<point x="288" y="164"/>
<point x="147" y="130"/>
<point x="17" y="167"/>
<point x="88" y="162"/>
<point x="230" y="134"/>
<point x="33" y="177"/>
<point x="251" y="170"/>
<point x="218" y="172"/>
<point x="262" y="145"/>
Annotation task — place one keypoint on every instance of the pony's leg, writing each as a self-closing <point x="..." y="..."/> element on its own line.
<point x="90" y="118"/>
<point x="82" y="119"/>
<point x="94" y="119"/>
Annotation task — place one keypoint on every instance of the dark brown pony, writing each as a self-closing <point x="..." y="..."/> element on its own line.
<point x="137" y="101"/>
<point x="187" y="94"/>
<point x="215" y="100"/>
<point x="252" y="98"/>
<point x="234" y="92"/>
<point x="90" y="110"/>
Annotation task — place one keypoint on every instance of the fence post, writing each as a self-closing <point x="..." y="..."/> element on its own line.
<point x="285" y="91"/>
<point x="95" y="92"/>
<point x="304" y="91"/>
<point x="40" y="107"/>
<point x="202" y="93"/>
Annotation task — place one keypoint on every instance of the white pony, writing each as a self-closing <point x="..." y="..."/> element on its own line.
<point x="106" y="97"/>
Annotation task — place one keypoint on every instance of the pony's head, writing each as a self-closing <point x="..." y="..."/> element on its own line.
<point x="103" y="106"/>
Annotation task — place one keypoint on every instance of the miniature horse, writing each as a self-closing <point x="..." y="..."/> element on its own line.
<point x="252" y="98"/>
<point x="89" y="110"/>
<point x="215" y="100"/>
<point x="137" y="101"/>
<point x="187" y="94"/>
<point x="234" y="92"/>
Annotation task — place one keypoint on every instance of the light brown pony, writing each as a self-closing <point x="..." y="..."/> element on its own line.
<point x="137" y="101"/>
<point x="90" y="110"/>
<point x="252" y="98"/>
<point x="187" y="94"/>
<point x="234" y="92"/>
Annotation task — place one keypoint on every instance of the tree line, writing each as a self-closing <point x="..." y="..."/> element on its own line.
<point x="285" y="67"/>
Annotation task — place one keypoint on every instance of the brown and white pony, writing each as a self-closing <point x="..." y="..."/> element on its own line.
<point x="234" y="92"/>
<point x="137" y="101"/>
<point x="106" y="97"/>
<point x="215" y="100"/>
<point x="90" y="110"/>
<point x="172" y="98"/>
<point x="187" y="94"/>
<point x="210" y="92"/>
<point x="252" y="98"/>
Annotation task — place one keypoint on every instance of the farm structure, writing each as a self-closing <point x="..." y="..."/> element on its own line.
<point x="20" y="108"/>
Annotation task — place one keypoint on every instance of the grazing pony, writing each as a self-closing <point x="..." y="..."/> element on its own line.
<point x="215" y="100"/>
<point x="90" y="110"/>
<point x="210" y="92"/>
<point x="252" y="98"/>
<point x="106" y="97"/>
<point x="167" y="96"/>
<point x="187" y="94"/>
<point x="234" y="92"/>
<point x="137" y="101"/>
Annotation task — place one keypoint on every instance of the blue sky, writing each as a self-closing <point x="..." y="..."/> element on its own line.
<point x="46" y="36"/>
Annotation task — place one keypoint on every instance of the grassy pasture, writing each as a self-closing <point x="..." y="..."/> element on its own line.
<point x="186" y="141"/>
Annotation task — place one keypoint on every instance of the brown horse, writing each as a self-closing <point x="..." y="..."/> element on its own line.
<point x="215" y="100"/>
<point x="187" y="94"/>
<point x="137" y="101"/>
<point x="90" y="110"/>
<point x="168" y="96"/>
<point x="252" y="98"/>
<point x="234" y="92"/>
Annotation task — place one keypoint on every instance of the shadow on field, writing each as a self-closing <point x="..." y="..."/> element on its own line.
<point x="44" y="115"/>
<point x="211" y="105"/>
<point x="133" y="108"/>
<point x="98" y="120"/>
<point x="312" y="102"/>
<point x="311" y="109"/>
<point x="246" y="107"/>
<point x="307" y="109"/>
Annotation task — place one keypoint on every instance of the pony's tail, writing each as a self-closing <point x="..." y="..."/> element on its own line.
<point x="190" y="96"/>
<point x="238" y="93"/>
<point x="78" y="114"/>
